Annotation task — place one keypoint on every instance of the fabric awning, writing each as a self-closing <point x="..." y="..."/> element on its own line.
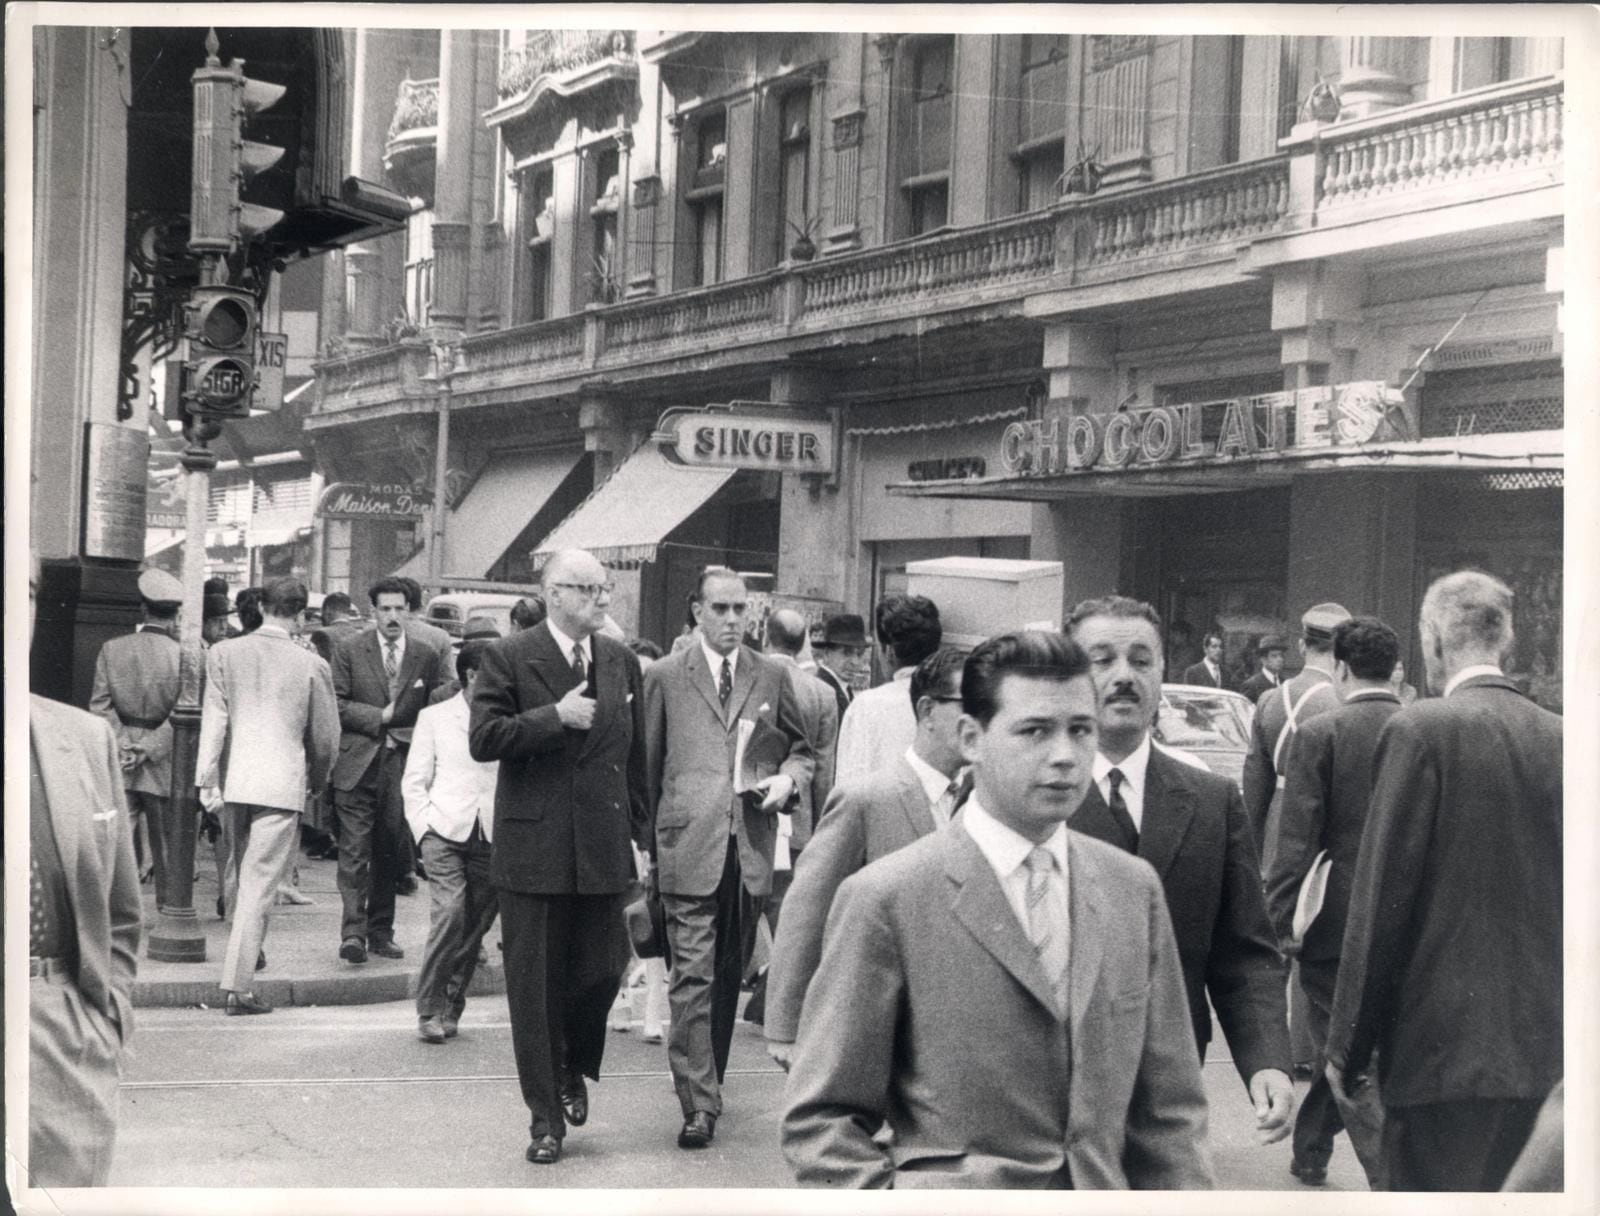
<point x="501" y="503"/>
<point x="634" y="509"/>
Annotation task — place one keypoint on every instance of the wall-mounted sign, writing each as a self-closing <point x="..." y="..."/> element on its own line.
<point x="363" y="500"/>
<point x="741" y="436"/>
<point x="942" y="468"/>
<point x="114" y="492"/>
<point x="1208" y="432"/>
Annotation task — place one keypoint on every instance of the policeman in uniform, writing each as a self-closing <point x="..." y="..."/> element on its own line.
<point x="1279" y="713"/>
<point x="135" y="689"/>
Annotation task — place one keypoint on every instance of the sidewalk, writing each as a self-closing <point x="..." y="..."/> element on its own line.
<point x="302" y="949"/>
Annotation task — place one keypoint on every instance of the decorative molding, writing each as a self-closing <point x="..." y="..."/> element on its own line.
<point x="847" y="129"/>
<point x="1488" y="354"/>
<point x="160" y="273"/>
<point x="887" y="45"/>
<point x="646" y="191"/>
<point x="1106" y="50"/>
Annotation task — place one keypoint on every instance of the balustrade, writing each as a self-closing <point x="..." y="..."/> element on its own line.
<point x="552" y="52"/>
<point x="537" y="345"/>
<point x="416" y="107"/>
<point x="1216" y="207"/>
<point x="722" y="309"/>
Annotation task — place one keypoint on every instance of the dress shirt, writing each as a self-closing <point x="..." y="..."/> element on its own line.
<point x="1468" y="673"/>
<point x="714" y="661"/>
<point x="934" y="784"/>
<point x="383" y="647"/>
<point x="565" y="644"/>
<point x="1213" y="671"/>
<point x="1132" y="766"/>
<point x="444" y="788"/>
<point x="1007" y="854"/>
<point x="878" y="725"/>
<point x="1271" y="677"/>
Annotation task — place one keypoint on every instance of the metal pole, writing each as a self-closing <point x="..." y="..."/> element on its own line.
<point x="444" y="364"/>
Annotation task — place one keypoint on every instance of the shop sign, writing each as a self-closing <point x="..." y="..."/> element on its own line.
<point x="166" y="501"/>
<point x="114" y="492"/>
<point x="1298" y="420"/>
<point x="733" y="436"/>
<point x="943" y="468"/>
<point x="366" y="500"/>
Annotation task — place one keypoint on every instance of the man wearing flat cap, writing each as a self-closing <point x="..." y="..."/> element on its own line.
<point x="1270" y="650"/>
<point x="843" y="643"/>
<point x="135" y="689"/>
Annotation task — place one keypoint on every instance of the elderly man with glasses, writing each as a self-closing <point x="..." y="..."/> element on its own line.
<point x="561" y="706"/>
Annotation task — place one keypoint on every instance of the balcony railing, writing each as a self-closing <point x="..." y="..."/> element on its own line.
<point x="1473" y="137"/>
<point x="552" y="52"/>
<point x="1222" y="206"/>
<point x="723" y="310"/>
<point x="548" y="345"/>
<point x="372" y="376"/>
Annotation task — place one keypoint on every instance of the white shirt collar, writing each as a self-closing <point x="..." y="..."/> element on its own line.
<point x="1132" y="766"/>
<point x="269" y="627"/>
<point x="1365" y="694"/>
<point x="905" y="673"/>
<point x="714" y="660"/>
<point x="565" y="644"/>
<point x="1003" y="848"/>
<point x="1211" y="667"/>
<point x="934" y="783"/>
<point x="1468" y="673"/>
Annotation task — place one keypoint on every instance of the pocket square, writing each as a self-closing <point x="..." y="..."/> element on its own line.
<point x="418" y="684"/>
<point x="629" y="699"/>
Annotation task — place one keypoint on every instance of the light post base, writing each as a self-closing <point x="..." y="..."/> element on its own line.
<point x="177" y="937"/>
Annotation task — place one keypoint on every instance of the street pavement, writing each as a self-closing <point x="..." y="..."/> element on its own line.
<point x="348" y="1096"/>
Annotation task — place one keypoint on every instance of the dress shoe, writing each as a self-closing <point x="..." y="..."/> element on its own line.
<point x="451" y="1024"/>
<point x="1309" y="1175"/>
<point x="352" y="950"/>
<point x="575" y="1099"/>
<point x="652" y="1032"/>
<point x="431" y="1029"/>
<point x="261" y="960"/>
<point x="544" y="1150"/>
<point x="222" y="909"/>
<point x="385" y="947"/>
<point x="698" y="1130"/>
<point x="241" y="1003"/>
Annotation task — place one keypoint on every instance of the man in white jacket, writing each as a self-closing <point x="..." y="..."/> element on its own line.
<point x="449" y="801"/>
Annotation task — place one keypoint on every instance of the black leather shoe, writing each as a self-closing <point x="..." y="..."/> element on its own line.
<point x="352" y="950"/>
<point x="544" y="1150"/>
<point x="384" y="947"/>
<point x="698" y="1130"/>
<point x="241" y="1003"/>
<point x="431" y="1029"/>
<point x="1309" y="1175"/>
<point x="575" y="1099"/>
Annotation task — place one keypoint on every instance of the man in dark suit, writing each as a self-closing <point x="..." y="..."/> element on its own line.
<point x="713" y="842"/>
<point x="1325" y="795"/>
<point x="1207" y="673"/>
<point x="843" y="646"/>
<point x="864" y="820"/>
<point x="1190" y="825"/>
<point x="84" y="922"/>
<point x="1451" y="968"/>
<point x="1005" y="995"/>
<point x="1270" y="650"/>
<point x="382" y="678"/>
<point x="560" y="706"/>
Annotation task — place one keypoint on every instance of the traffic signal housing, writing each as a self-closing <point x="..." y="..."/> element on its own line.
<point x="219" y="375"/>
<point x="224" y="160"/>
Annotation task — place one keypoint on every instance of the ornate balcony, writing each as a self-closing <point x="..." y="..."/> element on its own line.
<point x="374" y="377"/>
<point x="571" y="66"/>
<point x="558" y="52"/>
<point x="408" y="154"/>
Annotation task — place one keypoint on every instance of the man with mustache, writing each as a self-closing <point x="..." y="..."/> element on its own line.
<point x="1190" y="825"/>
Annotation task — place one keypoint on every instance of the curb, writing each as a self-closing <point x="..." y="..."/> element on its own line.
<point x="353" y="989"/>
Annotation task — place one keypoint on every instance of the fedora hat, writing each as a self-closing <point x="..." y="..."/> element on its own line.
<point x="845" y="629"/>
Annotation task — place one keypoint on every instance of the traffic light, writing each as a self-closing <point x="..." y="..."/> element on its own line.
<point x="219" y="375"/>
<point x="224" y="161"/>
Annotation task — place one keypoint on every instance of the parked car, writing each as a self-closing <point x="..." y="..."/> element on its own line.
<point x="1210" y="724"/>
<point x="454" y="609"/>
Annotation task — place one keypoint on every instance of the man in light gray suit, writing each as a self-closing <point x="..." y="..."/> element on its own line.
<point x="1005" y="994"/>
<point x="865" y="819"/>
<point x="269" y="729"/>
<point x="713" y="845"/>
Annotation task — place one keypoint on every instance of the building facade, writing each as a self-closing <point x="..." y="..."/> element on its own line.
<point x="1232" y="324"/>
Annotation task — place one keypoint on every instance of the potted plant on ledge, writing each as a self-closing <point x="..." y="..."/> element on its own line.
<point x="804" y="248"/>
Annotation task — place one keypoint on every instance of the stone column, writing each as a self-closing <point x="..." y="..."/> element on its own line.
<point x="1374" y="75"/>
<point x="605" y="432"/>
<point x="452" y="227"/>
<point x="815" y="556"/>
<point x="1316" y="311"/>
<point x="888" y="182"/>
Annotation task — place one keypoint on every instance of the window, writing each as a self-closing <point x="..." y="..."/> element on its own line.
<point x="605" y="265"/>
<point x="228" y="504"/>
<point x="1233" y="98"/>
<point x="1041" y="120"/>
<point x="925" y="179"/>
<point x="418" y="299"/>
<point x="794" y="168"/>
<point x="709" y="146"/>
<point x="290" y="493"/>
<point x="539" y="226"/>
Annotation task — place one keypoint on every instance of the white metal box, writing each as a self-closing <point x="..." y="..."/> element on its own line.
<point x="979" y="597"/>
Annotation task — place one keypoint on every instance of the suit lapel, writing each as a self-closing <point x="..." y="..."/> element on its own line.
<point x="552" y="667"/>
<point x="703" y="681"/>
<point x="608" y="685"/>
<point x="373" y="648"/>
<point x="744" y="679"/>
<point x="1087" y="934"/>
<point x="1168" y="809"/>
<point x="914" y="800"/>
<point x="980" y="905"/>
<point x="1093" y="816"/>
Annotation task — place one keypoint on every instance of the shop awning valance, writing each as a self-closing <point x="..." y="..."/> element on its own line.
<point x="634" y="510"/>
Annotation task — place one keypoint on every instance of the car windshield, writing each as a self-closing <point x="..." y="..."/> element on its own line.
<point x="1202" y="720"/>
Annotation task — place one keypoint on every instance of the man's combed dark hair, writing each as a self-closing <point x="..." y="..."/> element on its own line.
<point x="284" y="597"/>
<point x="909" y="626"/>
<point x="413" y="591"/>
<point x="387" y="586"/>
<point x="938" y="675"/>
<point x="644" y="648"/>
<point x="337" y="601"/>
<point x="528" y="611"/>
<point x="1369" y="646"/>
<point x="248" y="605"/>
<point x="470" y="657"/>
<point x="1031" y="653"/>
<point x="1116" y="606"/>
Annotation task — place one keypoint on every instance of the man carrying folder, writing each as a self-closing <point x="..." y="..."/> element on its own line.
<point x="1325" y="796"/>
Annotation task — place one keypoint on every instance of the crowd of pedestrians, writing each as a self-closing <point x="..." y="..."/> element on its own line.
<point x="1002" y="914"/>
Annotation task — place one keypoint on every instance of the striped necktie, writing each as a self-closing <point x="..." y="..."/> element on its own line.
<point x="1048" y="927"/>
<point x="391" y="666"/>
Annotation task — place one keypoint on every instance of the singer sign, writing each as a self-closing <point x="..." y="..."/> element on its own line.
<point x="724" y="436"/>
<point x="1209" y="432"/>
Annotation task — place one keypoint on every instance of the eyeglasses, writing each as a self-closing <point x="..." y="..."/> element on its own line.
<point x="588" y="589"/>
<point x="931" y="697"/>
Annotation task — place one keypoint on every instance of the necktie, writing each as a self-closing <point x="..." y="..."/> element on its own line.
<point x="391" y="665"/>
<point x="1047" y="919"/>
<point x="1119" y="812"/>
<point x="578" y="666"/>
<point x="946" y="804"/>
<point x="725" y="682"/>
